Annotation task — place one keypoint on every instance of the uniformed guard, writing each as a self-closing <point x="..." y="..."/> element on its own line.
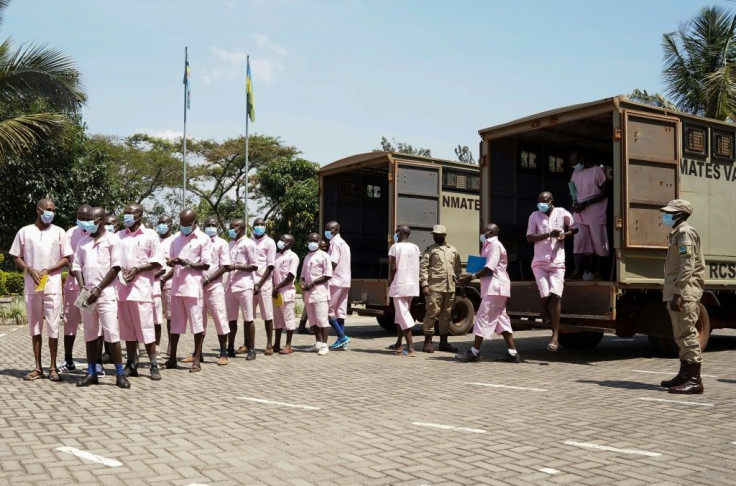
<point x="439" y="271"/>
<point x="684" y="270"/>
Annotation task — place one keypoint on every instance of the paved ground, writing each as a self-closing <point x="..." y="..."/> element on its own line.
<point x="368" y="417"/>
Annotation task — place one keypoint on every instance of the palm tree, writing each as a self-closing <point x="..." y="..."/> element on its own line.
<point x="39" y="86"/>
<point x="700" y="64"/>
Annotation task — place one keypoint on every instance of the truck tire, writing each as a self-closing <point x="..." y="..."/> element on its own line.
<point x="580" y="340"/>
<point x="462" y="316"/>
<point x="667" y="346"/>
<point x="387" y="322"/>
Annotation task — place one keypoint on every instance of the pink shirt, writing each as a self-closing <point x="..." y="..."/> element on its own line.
<point x="340" y="254"/>
<point x="588" y="183"/>
<point x="219" y="257"/>
<point x="549" y="250"/>
<point x="42" y="250"/>
<point x="94" y="258"/>
<point x="286" y="263"/>
<point x="242" y="252"/>
<point x="196" y="248"/>
<point x="164" y="245"/>
<point x="406" y="278"/>
<point x="74" y="235"/>
<point x="138" y="249"/>
<point x="496" y="261"/>
<point x="265" y="255"/>
<point x="316" y="264"/>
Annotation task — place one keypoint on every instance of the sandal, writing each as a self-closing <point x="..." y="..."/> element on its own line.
<point x="552" y="347"/>
<point x="33" y="375"/>
<point x="54" y="374"/>
<point x="393" y="347"/>
<point x="169" y="365"/>
<point x="195" y="368"/>
<point x="398" y="351"/>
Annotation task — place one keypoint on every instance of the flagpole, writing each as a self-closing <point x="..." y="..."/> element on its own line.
<point x="247" y="111"/>
<point x="184" y="139"/>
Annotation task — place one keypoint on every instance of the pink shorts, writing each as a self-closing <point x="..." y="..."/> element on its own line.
<point x="42" y="307"/>
<point x="135" y="320"/>
<point x="591" y="238"/>
<point x="339" y="302"/>
<point x="186" y="310"/>
<point x="214" y="303"/>
<point x="264" y="302"/>
<point x="157" y="310"/>
<point x="283" y="316"/>
<point x="402" y="312"/>
<point x="72" y="313"/>
<point x="491" y="317"/>
<point x="236" y="302"/>
<point x="103" y="321"/>
<point x="166" y="303"/>
<point x="550" y="278"/>
<point x="317" y="314"/>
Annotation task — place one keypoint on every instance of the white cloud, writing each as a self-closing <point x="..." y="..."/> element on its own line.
<point x="168" y="134"/>
<point x="264" y="41"/>
<point x="264" y="69"/>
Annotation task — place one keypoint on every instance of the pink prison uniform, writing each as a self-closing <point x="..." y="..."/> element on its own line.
<point x="42" y="250"/>
<point x="135" y="299"/>
<point x="164" y="291"/>
<point x="340" y="282"/>
<point x="592" y="236"/>
<point x="72" y="313"/>
<point x="265" y="257"/>
<point x="495" y="289"/>
<point x="186" y="283"/>
<point x="548" y="264"/>
<point x="239" y="291"/>
<point x="405" y="284"/>
<point x="94" y="258"/>
<point x="214" y="293"/>
<point x="283" y="316"/>
<point x="316" y="264"/>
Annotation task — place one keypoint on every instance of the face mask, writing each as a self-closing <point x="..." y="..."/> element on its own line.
<point x="47" y="217"/>
<point x="578" y="167"/>
<point x="544" y="207"/>
<point x="259" y="230"/>
<point x="91" y="227"/>
<point x="232" y="233"/>
<point x="186" y="230"/>
<point x="313" y="246"/>
<point x="396" y="237"/>
<point x="210" y="231"/>
<point x="668" y="220"/>
<point x="80" y="224"/>
<point x="280" y="245"/>
<point x="328" y="235"/>
<point x="128" y="220"/>
<point x="110" y="228"/>
<point x="161" y="228"/>
<point x="482" y="238"/>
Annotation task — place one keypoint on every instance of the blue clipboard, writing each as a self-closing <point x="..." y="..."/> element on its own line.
<point x="475" y="264"/>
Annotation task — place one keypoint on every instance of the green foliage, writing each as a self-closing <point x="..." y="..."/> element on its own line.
<point x="464" y="154"/>
<point x="15" y="312"/>
<point x="654" y="99"/>
<point x="401" y="147"/>
<point x="11" y="283"/>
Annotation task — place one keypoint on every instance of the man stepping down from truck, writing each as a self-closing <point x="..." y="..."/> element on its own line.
<point x="547" y="229"/>
<point x="590" y="197"/>
<point x="684" y="272"/>
<point x="439" y="271"/>
<point x="403" y="286"/>
<point x="339" y="253"/>
<point x="495" y="287"/>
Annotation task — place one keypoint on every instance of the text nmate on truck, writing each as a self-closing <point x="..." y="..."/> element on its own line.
<point x="370" y="194"/>
<point x="651" y="156"/>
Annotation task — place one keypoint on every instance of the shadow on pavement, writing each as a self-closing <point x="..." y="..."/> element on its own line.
<point x="629" y="385"/>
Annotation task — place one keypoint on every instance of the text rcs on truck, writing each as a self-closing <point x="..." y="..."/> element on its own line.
<point x="651" y="156"/>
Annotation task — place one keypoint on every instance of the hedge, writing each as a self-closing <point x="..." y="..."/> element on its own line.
<point x="11" y="283"/>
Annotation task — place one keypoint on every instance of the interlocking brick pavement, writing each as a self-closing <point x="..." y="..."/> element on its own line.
<point x="194" y="428"/>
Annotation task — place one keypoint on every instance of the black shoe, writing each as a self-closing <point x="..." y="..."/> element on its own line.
<point x="121" y="381"/>
<point x="155" y="373"/>
<point x="507" y="358"/>
<point x="88" y="380"/>
<point x="70" y="365"/>
<point x="467" y="357"/>
<point x="230" y="352"/>
<point x="130" y="370"/>
<point x="251" y="355"/>
<point x="302" y="330"/>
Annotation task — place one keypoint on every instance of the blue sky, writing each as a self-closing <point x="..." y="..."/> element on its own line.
<point x="332" y="77"/>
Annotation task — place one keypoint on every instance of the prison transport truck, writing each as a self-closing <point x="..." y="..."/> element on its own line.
<point x="651" y="156"/>
<point x="370" y="194"/>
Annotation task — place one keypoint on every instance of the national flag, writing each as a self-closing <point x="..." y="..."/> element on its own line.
<point x="250" y="105"/>
<point x="187" y="82"/>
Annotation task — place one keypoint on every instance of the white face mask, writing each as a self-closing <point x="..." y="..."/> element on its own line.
<point x="578" y="167"/>
<point x="280" y="245"/>
<point x="313" y="246"/>
<point x="483" y="238"/>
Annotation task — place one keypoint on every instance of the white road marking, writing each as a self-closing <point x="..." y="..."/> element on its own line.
<point x="549" y="470"/>
<point x="2" y="335"/>
<point x="680" y="402"/>
<point x="89" y="456"/>
<point x="280" y="404"/>
<point x="669" y="373"/>
<point x="449" y="427"/>
<point x="587" y="445"/>
<point x="509" y="387"/>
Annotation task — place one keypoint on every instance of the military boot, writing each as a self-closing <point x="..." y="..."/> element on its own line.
<point x="693" y="385"/>
<point x="679" y="379"/>
<point x="428" y="347"/>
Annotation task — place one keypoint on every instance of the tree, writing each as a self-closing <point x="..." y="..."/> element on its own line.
<point x="402" y="148"/>
<point x="31" y="72"/>
<point x="654" y="99"/>
<point x="464" y="154"/>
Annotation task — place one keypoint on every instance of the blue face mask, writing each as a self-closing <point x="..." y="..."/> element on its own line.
<point x="90" y="227"/>
<point x="280" y="245"/>
<point x="328" y="235"/>
<point x="186" y="230"/>
<point x="80" y="224"/>
<point x="232" y="233"/>
<point x="578" y="167"/>
<point x="210" y="231"/>
<point x="313" y="246"/>
<point x="259" y="230"/>
<point x="110" y="228"/>
<point x="162" y="228"/>
<point x="128" y="220"/>
<point x="544" y="207"/>
<point x="396" y="237"/>
<point x="47" y="217"/>
<point x="482" y="238"/>
<point x="668" y="220"/>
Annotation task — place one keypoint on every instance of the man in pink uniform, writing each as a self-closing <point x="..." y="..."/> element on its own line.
<point x="72" y="316"/>
<point x="239" y="289"/>
<point x="404" y="285"/>
<point x="547" y="229"/>
<point x="316" y="271"/>
<point x="284" y="273"/>
<point x="163" y="229"/>
<point x="140" y="260"/>
<point x="265" y="257"/>
<point x="589" y="206"/>
<point x="339" y="284"/>
<point x="190" y="255"/>
<point x="41" y="250"/>
<point x="495" y="287"/>
<point x="96" y="265"/>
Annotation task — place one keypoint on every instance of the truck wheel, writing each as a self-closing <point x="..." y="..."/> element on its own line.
<point x="463" y="314"/>
<point x="387" y="322"/>
<point x="667" y="346"/>
<point x="580" y="340"/>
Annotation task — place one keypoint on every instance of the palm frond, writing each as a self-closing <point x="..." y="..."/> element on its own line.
<point x="3" y="5"/>
<point x="22" y="133"/>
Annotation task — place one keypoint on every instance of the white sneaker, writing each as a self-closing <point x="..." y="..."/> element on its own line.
<point x="100" y="369"/>
<point x="323" y="350"/>
<point x="315" y="348"/>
